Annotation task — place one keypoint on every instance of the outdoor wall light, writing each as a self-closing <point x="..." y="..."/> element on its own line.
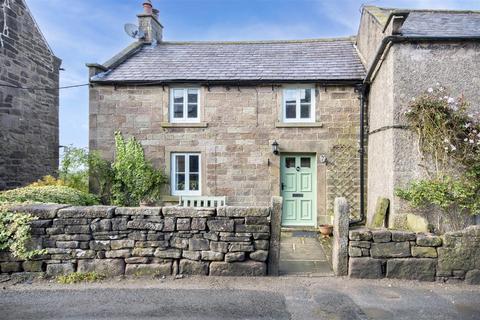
<point x="323" y="158"/>
<point x="275" y="147"/>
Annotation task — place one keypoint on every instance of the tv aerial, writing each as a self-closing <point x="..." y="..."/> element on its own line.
<point x="134" y="31"/>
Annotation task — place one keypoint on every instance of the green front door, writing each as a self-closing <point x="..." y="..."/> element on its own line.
<point x="298" y="178"/>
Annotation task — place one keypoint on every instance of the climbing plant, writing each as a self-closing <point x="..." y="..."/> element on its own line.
<point x="449" y="144"/>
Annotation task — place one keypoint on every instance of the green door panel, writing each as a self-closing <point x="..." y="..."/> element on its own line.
<point x="298" y="188"/>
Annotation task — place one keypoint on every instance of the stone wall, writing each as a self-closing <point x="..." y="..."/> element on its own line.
<point x="226" y="241"/>
<point x="455" y="256"/>
<point x="238" y="126"/>
<point x="28" y="118"/>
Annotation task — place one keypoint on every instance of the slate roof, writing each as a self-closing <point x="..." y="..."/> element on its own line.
<point x="442" y="23"/>
<point x="318" y="60"/>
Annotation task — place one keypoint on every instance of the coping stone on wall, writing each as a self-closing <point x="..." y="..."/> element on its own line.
<point x="340" y="236"/>
<point x="41" y="211"/>
<point x="188" y="212"/>
<point x="138" y="211"/>
<point x="87" y="212"/>
<point x="243" y="211"/>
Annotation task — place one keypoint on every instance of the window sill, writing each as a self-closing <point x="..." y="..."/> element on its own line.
<point x="184" y="125"/>
<point x="298" y="125"/>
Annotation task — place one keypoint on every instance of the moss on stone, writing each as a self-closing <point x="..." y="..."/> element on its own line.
<point x="381" y="208"/>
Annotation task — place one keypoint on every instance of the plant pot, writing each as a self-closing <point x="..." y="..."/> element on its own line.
<point x="326" y="229"/>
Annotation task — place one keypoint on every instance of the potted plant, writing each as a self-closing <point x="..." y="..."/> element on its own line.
<point x="325" y="230"/>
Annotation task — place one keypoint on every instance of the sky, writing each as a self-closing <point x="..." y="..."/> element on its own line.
<point x="83" y="31"/>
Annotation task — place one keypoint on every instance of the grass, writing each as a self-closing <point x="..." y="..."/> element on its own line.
<point x="76" y="277"/>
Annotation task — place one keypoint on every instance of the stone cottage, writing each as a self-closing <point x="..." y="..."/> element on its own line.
<point x="28" y="117"/>
<point x="245" y="120"/>
<point x="250" y="120"/>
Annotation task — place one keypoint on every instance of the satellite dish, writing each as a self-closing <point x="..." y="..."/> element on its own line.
<point x="134" y="31"/>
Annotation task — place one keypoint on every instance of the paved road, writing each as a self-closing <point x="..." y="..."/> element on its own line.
<point x="241" y="298"/>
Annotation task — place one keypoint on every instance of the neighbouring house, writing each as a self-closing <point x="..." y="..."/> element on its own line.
<point x="406" y="52"/>
<point x="250" y="120"/>
<point x="28" y="117"/>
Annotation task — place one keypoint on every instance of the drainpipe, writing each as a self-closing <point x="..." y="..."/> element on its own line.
<point x="363" y="99"/>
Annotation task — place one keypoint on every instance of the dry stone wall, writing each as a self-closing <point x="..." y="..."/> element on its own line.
<point x="379" y="253"/>
<point x="224" y="241"/>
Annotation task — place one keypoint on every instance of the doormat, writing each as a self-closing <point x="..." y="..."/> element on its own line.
<point x="305" y="234"/>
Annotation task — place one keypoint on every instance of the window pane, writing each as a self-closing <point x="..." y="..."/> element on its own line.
<point x="305" y="111"/>
<point x="290" y="111"/>
<point x="305" y="162"/>
<point x="290" y="96"/>
<point x="305" y="96"/>
<point x="178" y="96"/>
<point x="194" y="164"/>
<point x="180" y="182"/>
<point x="194" y="182"/>
<point x="178" y="110"/>
<point x="290" y="162"/>
<point x="192" y="96"/>
<point x="180" y="163"/>
<point x="192" y="110"/>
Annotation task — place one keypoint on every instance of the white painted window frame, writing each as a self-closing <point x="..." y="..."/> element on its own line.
<point x="173" y="175"/>
<point x="185" y="118"/>
<point x="298" y="104"/>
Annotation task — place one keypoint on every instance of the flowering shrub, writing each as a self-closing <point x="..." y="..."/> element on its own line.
<point x="445" y="129"/>
<point x="49" y="194"/>
<point x="449" y="142"/>
<point x="48" y="181"/>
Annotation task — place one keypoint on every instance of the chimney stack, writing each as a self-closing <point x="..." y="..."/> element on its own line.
<point x="148" y="22"/>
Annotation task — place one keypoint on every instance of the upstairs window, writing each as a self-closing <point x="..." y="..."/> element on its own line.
<point x="184" y="105"/>
<point x="299" y="105"/>
<point x="185" y="179"/>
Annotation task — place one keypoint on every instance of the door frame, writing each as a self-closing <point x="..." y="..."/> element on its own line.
<point x="313" y="155"/>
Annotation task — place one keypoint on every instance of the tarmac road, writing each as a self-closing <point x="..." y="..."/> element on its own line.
<point x="241" y="298"/>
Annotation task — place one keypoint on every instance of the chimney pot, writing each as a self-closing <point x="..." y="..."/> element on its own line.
<point x="147" y="7"/>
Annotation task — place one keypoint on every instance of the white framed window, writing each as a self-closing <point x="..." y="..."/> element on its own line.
<point x="184" y="105"/>
<point x="298" y="105"/>
<point x="186" y="174"/>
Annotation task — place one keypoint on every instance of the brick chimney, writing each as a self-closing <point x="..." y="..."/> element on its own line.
<point x="148" y="22"/>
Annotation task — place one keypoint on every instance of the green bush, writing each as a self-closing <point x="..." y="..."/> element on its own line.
<point x="49" y="194"/>
<point x="15" y="233"/>
<point x="74" y="168"/>
<point x="135" y="179"/>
